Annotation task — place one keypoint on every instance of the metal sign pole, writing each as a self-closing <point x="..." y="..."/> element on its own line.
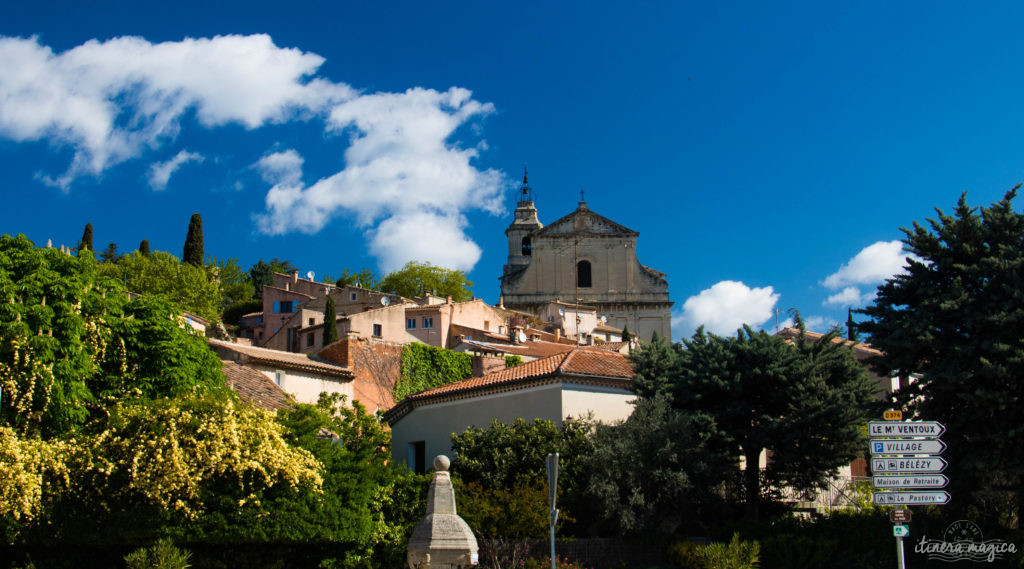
<point x="552" y="464"/>
<point x="899" y="553"/>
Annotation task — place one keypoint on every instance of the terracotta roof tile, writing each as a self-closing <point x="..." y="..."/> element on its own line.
<point x="860" y="347"/>
<point x="255" y="387"/>
<point x="290" y="360"/>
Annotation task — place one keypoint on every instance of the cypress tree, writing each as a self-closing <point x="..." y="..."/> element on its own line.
<point x="193" y="252"/>
<point x="86" y="242"/>
<point x="144" y="247"/>
<point x="330" y="323"/>
<point x="625" y="333"/>
<point x="851" y="326"/>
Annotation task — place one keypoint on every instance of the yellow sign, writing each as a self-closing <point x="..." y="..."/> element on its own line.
<point x="891" y="415"/>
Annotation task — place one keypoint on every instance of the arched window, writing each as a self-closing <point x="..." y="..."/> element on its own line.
<point x="583" y="274"/>
<point x="527" y="246"/>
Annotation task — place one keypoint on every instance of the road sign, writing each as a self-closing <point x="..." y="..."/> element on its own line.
<point x="901" y="530"/>
<point x="893" y="482"/>
<point x="910" y="498"/>
<point x="908" y="465"/>
<point x="899" y="516"/>
<point x="905" y="429"/>
<point x="892" y="415"/>
<point x="907" y="446"/>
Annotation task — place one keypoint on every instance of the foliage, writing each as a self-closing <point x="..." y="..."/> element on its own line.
<point x="545" y="563"/>
<point x="233" y="314"/>
<point x="144" y="247"/>
<point x="188" y="286"/>
<point x="192" y="253"/>
<point x="234" y="283"/>
<point x="955" y="320"/>
<point x="85" y="244"/>
<point x="109" y="255"/>
<point x="70" y="341"/>
<point x="161" y="555"/>
<point x="513" y="361"/>
<point x="626" y="336"/>
<point x="420" y="279"/>
<point x="425" y="367"/>
<point x="365" y="278"/>
<point x="262" y="274"/>
<point x="647" y="475"/>
<point x="504" y="519"/>
<point x="737" y="554"/>
<point x="803" y="400"/>
<point x="330" y="323"/>
<point x="32" y="471"/>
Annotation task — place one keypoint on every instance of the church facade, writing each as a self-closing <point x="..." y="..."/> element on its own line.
<point x="586" y="258"/>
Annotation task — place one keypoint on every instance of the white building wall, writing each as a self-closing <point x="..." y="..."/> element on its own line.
<point x="306" y="387"/>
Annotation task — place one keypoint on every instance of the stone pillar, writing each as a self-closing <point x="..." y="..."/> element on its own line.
<point x="442" y="540"/>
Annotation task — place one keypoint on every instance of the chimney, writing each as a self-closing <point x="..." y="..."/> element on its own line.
<point x="295" y="275"/>
<point x="448" y="299"/>
<point x="558" y="334"/>
<point x="483" y="365"/>
<point x="339" y="352"/>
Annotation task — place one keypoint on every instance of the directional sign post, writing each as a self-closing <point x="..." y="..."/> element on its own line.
<point x="903" y="465"/>
<point x="905" y="429"/>
<point x="895" y="481"/>
<point x="901" y="530"/>
<point x="907" y="446"/>
<point x="910" y="498"/>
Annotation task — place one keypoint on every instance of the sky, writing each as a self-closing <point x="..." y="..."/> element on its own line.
<point x="767" y="153"/>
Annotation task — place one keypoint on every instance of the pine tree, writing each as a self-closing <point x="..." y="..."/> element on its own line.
<point x="851" y="326"/>
<point x="144" y="247"/>
<point x="86" y="243"/>
<point x="193" y="252"/>
<point x="330" y="323"/>
<point x="625" y="333"/>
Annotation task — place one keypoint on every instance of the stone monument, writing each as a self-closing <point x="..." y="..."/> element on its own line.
<point x="442" y="540"/>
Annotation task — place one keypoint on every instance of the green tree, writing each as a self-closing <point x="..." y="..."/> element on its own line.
<point x="419" y="279"/>
<point x="262" y="273"/>
<point x="86" y="242"/>
<point x="330" y="323"/>
<point x="851" y="327"/>
<point x="109" y="255"/>
<point x="144" y="247"/>
<point x="805" y="401"/>
<point x="188" y="286"/>
<point x="648" y="475"/>
<point x="954" y="319"/>
<point x="235" y="285"/>
<point x="626" y="336"/>
<point x="193" y="250"/>
<point x="365" y="278"/>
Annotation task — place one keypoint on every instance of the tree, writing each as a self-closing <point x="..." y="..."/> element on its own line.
<point x="625" y="334"/>
<point x="262" y="273"/>
<point x="193" y="251"/>
<point x="86" y="243"/>
<point x="419" y="279"/>
<point x="330" y="323"/>
<point x="109" y="255"/>
<point x="235" y="285"/>
<point x="851" y="327"/>
<point x="804" y="401"/>
<point x="144" y="247"/>
<point x="365" y="278"/>
<point x="188" y="286"/>
<point x="647" y="474"/>
<point x="954" y="320"/>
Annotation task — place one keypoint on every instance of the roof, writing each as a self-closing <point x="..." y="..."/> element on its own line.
<point x="529" y="349"/>
<point x="286" y="360"/>
<point x="254" y="387"/>
<point x="580" y="365"/>
<point x="582" y="221"/>
<point x="860" y="347"/>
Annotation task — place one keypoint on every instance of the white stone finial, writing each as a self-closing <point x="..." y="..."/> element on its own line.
<point x="441" y="462"/>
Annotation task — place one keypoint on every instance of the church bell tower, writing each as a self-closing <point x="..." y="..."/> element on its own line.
<point x="519" y="232"/>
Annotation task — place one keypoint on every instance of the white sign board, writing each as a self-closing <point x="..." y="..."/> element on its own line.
<point x="892" y="482"/>
<point x="905" y="429"/>
<point x="908" y="465"/>
<point x="909" y="498"/>
<point x="907" y="446"/>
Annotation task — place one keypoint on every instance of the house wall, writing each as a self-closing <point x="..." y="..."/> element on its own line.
<point x="434" y="424"/>
<point x="305" y="387"/>
<point x="376" y="366"/>
<point x="475" y="314"/>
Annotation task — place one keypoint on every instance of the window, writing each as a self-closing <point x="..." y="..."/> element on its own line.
<point x="583" y="274"/>
<point x="353" y="296"/>
<point x="284" y="306"/>
<point x="428" y="322"/>
<point x="278" y="377"/>
<point x="309" y="340"/>
<point x="312" y="321"/>
<point x="417" y="457"/>
<point x="410" y="323"/>
<point x="487" y="325"/>
<point x="527" y="246"/>
<point x="378" y="330"/>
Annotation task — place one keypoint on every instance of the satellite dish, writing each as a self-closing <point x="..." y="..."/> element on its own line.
<point x="604" y="320"/>
<point x="522" y="336"/>
<point x="384" y="301"/>
<point x="561" y="312"/>
<point x="310" y="275"/>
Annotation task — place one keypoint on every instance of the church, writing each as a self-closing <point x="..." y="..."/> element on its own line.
<point x="583" y="258"/>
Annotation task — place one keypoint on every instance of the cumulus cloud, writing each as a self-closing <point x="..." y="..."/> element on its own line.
<point x="873" y="264"/>
<point x="725" y="307"/>
<point x="820" y="324"/>
<point x="849" y="296"/>
<point x="406" y="180"/>
<point x="403" y="179"/>
<point x="109" y="100"/>
<point x="160" y="173"/>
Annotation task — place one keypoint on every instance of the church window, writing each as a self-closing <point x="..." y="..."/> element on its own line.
<point x="583" y="274"/>
<point x="527" y="246"/>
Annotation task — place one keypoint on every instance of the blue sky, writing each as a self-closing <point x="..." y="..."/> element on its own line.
<point x="768" y="154"/>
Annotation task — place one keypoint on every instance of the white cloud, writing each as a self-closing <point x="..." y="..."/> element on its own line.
<point x="872" y="265"/>
<point x="725" y="307"/>
<point x="109" y="100"/>
<point x="403" y="179"/>
<point x="849" y="296"/>
<point x="160" y="173"/>
<point x="820" y="324"/>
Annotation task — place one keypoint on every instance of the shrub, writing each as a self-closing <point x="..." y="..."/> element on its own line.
<point x="161" y="555"/>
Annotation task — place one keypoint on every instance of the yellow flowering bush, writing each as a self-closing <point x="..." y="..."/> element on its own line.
<point x="31" y="471"/>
